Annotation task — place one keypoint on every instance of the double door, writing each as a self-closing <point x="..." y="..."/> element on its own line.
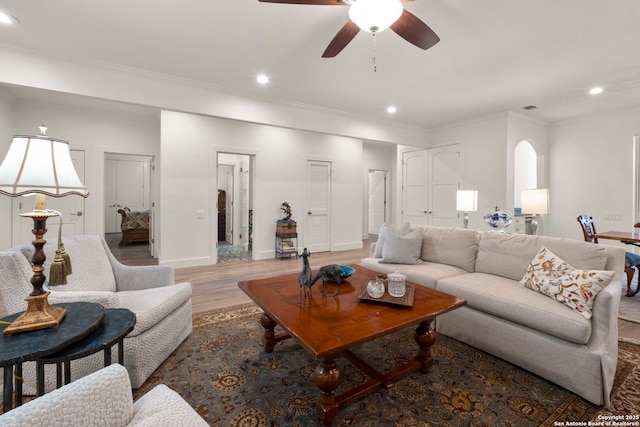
<point x="430" y="179"/>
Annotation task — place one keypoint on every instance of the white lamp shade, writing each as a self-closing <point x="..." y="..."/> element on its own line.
<point x="375" y="15"/>
<point x="467" y="200"/>
<point x="535" y="201"/>
<point x="39" y="164"/>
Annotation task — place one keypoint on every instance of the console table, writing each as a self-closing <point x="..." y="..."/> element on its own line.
<point x="81" y="319"/>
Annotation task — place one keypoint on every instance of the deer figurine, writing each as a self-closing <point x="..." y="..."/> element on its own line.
<point x="304" y="279"/>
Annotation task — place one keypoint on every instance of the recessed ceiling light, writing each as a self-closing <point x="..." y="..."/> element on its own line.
<point x="262" y="79"/>
<point x="391" y="109"/>
<point x="7" y="19"/>
<point x="596" y="90"/>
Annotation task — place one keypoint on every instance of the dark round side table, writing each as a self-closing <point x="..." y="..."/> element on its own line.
<point x="81" y="319"/>
<point x="116" y="324"/>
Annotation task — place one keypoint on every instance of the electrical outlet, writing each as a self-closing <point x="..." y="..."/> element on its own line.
<point x="199" y="214"/>
<point x="613" y="216"/>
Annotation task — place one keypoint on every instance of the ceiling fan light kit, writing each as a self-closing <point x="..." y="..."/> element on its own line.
<point x="375" y="15"/>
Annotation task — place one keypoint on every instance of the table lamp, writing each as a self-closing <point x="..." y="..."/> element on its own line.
<point x="466" y="201"/>
<point x="41" y="165"/>
<point x="536" y="202"/>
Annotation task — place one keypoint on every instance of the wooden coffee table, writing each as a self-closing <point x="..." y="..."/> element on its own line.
<point x="328" y="327"/>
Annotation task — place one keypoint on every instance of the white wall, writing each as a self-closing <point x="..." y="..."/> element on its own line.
<point x="591" y="172"/>
<point x="189" y="146"/>
<point x="6" y="132"/>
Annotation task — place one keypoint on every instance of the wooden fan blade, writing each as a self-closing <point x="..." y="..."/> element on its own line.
<point x="413" y="30"/>
<point x="316" y="2"/>
<point x="344" y="36"/>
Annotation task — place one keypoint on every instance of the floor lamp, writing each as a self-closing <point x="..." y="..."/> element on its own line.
<point x="41" y="165"/>
<point x="466" y="201"/>
<point x="536" y="202"/>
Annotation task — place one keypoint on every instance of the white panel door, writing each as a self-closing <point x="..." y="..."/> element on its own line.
<point x="71" y="207"/>
<point x="130" y="185"/>
<point x="124" y="187"/>
<point x="318" y="224"/>
<point x="414" y="187"/>
<point x="445" y="178"/>
<point x="377" y="200"/>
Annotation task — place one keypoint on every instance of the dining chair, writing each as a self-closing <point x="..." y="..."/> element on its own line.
<point x="631" y="260"/>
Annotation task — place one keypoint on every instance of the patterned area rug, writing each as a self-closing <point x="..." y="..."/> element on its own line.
<point x="222" y="371"/>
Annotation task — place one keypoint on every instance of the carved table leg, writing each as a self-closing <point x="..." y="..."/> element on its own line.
<point x="425" y="337"/>
<point x="269" y="340"/>
<point x="327" y="379"/>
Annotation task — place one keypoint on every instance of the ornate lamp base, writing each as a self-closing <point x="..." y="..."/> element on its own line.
<point x="39" y="315"/>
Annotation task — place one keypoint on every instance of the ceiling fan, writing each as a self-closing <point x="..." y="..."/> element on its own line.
<point x="374" y="16"/>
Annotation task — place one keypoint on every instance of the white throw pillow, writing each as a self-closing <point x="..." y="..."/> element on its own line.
<point x="552" y="276"/>
<point x="385" y="229"/>
<point x="402" y="249"/>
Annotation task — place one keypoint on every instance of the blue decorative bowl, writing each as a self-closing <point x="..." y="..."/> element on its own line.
<point x="346" y="271"/>
<point x="498" y="219"/>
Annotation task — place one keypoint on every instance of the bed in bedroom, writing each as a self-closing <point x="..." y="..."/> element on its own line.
<point x="135" y="225"/>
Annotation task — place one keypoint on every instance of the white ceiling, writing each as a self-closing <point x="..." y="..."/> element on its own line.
<point x="494" y="55"/>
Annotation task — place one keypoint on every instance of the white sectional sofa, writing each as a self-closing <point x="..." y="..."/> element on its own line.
<point x="507" y="319"/>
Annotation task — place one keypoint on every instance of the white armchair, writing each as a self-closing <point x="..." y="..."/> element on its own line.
<point x="104" y="398"/>
<point x="162" y="308"/>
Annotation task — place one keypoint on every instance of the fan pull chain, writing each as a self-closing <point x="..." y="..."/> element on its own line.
<point x="373" y="59"/>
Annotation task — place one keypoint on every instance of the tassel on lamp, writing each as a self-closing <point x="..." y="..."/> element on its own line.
<point x="60" y="267"/>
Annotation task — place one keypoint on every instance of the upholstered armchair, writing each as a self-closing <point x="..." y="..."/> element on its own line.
<point x="104" y="398"/>
<point x="162" y="307"/>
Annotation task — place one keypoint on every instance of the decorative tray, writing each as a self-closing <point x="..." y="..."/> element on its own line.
<point x="405" y="301"/>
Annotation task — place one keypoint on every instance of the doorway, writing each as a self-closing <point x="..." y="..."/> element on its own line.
<point x="127" y="184"/>
<point x="234" y="206"/>
<point x="377" y="196"/>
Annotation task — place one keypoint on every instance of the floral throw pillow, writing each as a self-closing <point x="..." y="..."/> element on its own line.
<point x="550" y="275"/>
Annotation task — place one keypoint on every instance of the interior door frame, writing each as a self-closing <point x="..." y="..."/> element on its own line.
<point x="254" y="188"/>
<point x="154" y="241"/>
<point x="386" y="213"/>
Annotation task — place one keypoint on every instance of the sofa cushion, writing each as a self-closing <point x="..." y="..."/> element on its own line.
<point x="402" y="249"/>
<point x="450" y="245"/>
<point x="385" y="229"/>
<point x="550" y="275"/>
<point x="509" y="255"/>
<point x="426" y="274"/>
<point x="507" y="299"/>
